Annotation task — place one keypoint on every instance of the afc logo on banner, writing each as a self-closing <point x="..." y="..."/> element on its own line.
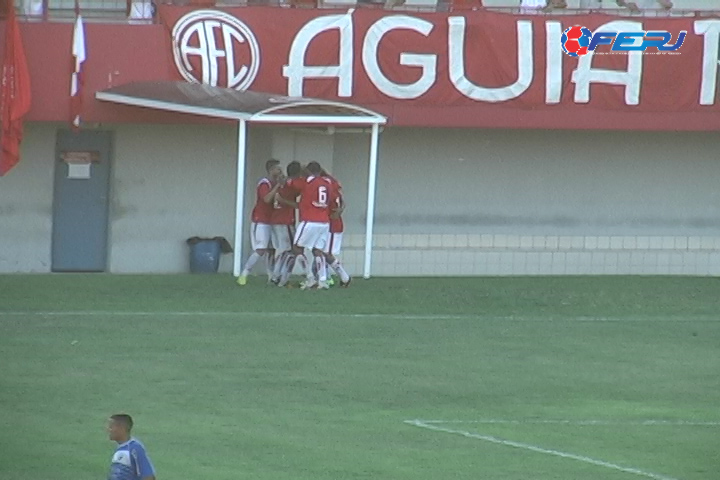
<point x="215" y="48"/>
<point x="577" y="41"/>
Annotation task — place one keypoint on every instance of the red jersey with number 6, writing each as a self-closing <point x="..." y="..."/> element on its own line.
<point x="262" y="213"/>
<point x="316" y="195"/>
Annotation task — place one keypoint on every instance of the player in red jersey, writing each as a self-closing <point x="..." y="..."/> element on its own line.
<point x="333" y="244"/>
<point x="316" y="195"/>
<point x="260" y="228"/>
<point x="283" y="220"/>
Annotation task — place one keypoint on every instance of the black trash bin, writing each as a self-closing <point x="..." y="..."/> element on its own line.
<point x="205" y="253"/>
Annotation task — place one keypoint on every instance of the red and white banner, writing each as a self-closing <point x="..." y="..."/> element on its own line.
<point x="14" y="95"/>
<point x="465" y="69"/>
<point x="76" y="79"/>
<point x="468" y="60"/>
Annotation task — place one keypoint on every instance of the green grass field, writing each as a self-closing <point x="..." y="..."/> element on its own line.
<point x="505" y="374"/>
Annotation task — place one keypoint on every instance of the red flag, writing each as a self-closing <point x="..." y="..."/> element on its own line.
<point x="76" y="80"/>
<point x="15" y="94"/>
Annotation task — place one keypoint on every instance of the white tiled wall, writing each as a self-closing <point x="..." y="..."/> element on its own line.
<point x="416" y="255"/>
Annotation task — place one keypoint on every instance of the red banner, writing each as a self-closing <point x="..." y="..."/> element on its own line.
<point x="475" y="60"/>
<point x="472" y="69"/>
<point x="14" y="95"/>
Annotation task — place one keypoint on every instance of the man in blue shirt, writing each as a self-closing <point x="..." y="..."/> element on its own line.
<point x="130" y="461"/>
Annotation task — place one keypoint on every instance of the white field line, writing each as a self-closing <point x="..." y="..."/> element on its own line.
<point x="649" y="423"/>
<point x="114" y="313"/>
<point x="537" y="449"/>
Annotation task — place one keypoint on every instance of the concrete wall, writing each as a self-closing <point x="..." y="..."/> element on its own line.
<point x="165" y="189"/>
<point x="26" y="194"/>
<point x="168" y="183"/>
<point x="178" y="183"/>
<point x="508" y="202"/>
<point x="449" y="202"/>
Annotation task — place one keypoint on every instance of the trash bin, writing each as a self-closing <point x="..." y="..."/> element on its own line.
<point x="205" y="253"/>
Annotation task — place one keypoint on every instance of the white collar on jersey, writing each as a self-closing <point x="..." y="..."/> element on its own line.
<point x="126" y="443"/>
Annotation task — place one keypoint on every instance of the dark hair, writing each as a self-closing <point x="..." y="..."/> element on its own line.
<point x="271" y="163"/>
<point x="123" y="419"/>
<point x="293" y="169"/>
<point x="314" y="168"/>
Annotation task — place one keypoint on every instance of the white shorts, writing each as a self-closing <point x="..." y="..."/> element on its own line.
<point x="333" y="244"/>
<point x="282" y="237"/>
<point x="260" y="235"/>
<point x="312" y="235"/>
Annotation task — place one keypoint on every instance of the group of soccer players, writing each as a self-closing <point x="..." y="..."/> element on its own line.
<point x="318" y="198"/>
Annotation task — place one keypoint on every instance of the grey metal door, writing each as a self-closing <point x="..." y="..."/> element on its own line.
<point x="80" y="201"/>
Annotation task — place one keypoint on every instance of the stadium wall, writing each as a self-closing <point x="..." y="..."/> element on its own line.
<point x="497" y="202"/>
<point x="450" y="202"/>
<point x="26" y="195"/>
<point x="173" y="184"/>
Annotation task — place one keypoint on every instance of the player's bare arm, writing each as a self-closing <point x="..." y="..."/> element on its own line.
<point x="282" y="200"/>
<point x="337" y="212"/>
<point x="270" y="196"/>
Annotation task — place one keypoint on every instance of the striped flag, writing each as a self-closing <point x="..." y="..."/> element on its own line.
<point x="76" y="82"/>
